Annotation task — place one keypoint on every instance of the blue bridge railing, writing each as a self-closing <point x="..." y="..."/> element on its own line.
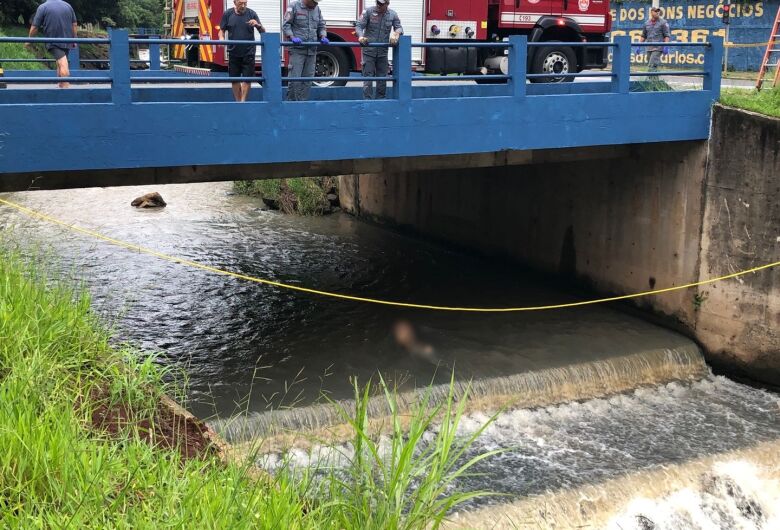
<point x="121" y="75"/>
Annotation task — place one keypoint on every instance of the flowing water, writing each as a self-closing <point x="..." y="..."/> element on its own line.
<point x="609" y="394"/>
<point x="650" y="441"/>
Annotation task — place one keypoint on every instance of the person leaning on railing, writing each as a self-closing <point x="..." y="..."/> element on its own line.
<point x="56" y="18"/>
<point x="377" y="24"/>
<point x="656" y="30"/>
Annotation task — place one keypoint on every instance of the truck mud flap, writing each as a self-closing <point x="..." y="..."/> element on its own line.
<point x="595" y="57"/>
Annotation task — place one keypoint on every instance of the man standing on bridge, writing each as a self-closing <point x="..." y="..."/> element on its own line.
<point x="57" y="19"/>
<point x="376" y="25"/>
<point x="656" y="30"/>
<point x="240" y="23"/>
<point x="303" y="22"/>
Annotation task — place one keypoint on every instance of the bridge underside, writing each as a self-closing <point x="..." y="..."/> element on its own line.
<point x="50" y="180"/>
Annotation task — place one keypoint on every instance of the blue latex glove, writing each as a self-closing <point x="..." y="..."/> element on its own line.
<point x="637" y="50"/>
<point x="296" y="40"/>
<point x="665" y="51"/>
<point x="324" y="40"/>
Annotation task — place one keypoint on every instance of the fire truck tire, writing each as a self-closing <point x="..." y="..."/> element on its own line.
<point x="331" y="62"/>
<point x="554" y="60"/>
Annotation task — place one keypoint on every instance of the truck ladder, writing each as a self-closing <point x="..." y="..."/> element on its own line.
<point x="773" y="46"/>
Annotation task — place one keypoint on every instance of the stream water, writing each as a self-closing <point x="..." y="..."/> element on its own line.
<point x="601" y="394"/>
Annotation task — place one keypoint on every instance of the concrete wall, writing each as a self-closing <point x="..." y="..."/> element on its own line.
<point x="653" y="216"/>
<point x="739" y="319"/>
<point x="622" y="224"/>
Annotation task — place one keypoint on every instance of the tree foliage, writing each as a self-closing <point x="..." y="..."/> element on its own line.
<point x="122" y="13"/>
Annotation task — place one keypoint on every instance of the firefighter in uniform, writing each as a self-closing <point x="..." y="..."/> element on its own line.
<point x="376" y="25"/>
<point x="656" y="30"/>
<point x="303" y="22"/>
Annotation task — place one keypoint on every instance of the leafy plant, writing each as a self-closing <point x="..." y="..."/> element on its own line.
<point x="407" y="482"/>
<point x="303" y="195"/>
<point x="698" y="300"/>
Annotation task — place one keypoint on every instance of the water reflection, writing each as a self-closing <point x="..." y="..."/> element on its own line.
<point x="233" y="339"/>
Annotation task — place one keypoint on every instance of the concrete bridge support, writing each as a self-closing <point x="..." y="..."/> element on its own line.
<point x="739" y="320"/>
<point x="623" y="221"/>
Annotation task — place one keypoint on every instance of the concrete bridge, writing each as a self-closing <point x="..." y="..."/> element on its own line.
<point x="120" y="127"/>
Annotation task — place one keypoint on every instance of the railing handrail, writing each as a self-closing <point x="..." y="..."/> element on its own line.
<point x="67" y="40"/>
<point x="339" y="44"/>
<point x="517" y="46"/>
<point x="51" y="80"/>
<point x="195" y="42"/>
<point x="194" y="78"/>
<point x="336" y="44"/>
<point x="589" y="44"/>
<point x="462" y="44"/>
<point x="672" y="44"/>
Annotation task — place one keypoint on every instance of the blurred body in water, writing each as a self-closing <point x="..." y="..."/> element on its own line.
<point x="406" y="337"/>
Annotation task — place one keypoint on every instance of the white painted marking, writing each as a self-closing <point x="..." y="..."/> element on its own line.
<point x="509" y="17"/>
<point x="588" y="19"/>
<point x="519" y="18"/>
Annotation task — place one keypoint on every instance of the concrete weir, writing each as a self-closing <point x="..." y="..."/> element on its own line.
<point x="280" y="430"/>
<point x="653" y="216"/>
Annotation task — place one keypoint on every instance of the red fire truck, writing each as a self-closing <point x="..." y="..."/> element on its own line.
<point x="458" y="21"/>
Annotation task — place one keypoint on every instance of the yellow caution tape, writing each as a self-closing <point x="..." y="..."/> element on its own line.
<point x="749" y="44"/>
<point x="194" y="264"/>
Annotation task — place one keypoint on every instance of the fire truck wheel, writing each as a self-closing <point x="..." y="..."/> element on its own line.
<point x="331" y="62"/>
<point x="554" y="60"/>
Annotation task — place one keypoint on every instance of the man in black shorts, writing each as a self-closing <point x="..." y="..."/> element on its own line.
<point x="240" y="22"/>
<point x="56" y="18"/>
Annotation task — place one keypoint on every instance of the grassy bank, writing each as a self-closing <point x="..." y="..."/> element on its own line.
<point x="83" y="442"/>
<point x="305" y="195"/>
<point x="12" y="50"/>
<point x="764" y="102"/>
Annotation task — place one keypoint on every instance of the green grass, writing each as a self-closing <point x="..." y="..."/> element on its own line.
<point x="12" y="50"/>
<point x="304" y="195"/>
<point x="744" y="75"/>
<point x="268" y="188"/>
<point x="765" y="102"/>
<point x="408" y="483"/>
<point x="57" y="471"/>
<point x="651" y="85"/>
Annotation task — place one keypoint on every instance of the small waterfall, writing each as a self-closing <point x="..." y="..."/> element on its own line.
<point x="736" y="489"/>
<point x="529" y="389"/>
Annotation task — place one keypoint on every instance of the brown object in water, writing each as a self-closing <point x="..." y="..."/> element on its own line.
<point x="150" y="200"/>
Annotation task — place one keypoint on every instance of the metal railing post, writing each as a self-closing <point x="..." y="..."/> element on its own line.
<point x="272" y="67"/>
<point x="119" y="55"/>
<point x="74" y="58"/>
<point x="621" y="65"/>
<point x="518" y="65"/>
<point x="154" y="56"/>
<point x="402" y="68"/>
<point x="713" y="56"/>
